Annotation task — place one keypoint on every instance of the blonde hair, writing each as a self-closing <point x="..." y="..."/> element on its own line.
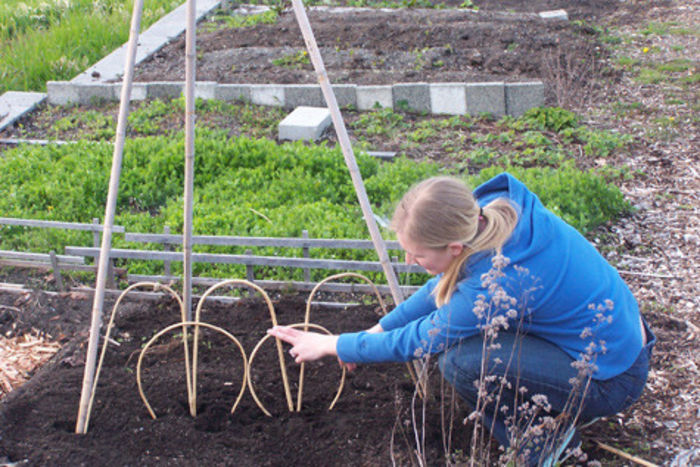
<point x="442" y="210"/>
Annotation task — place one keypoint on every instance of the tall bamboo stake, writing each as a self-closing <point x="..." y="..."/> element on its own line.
<point x="350" y="160"/>
<point x="190" y="51"/>
<point x="110" y="208"/>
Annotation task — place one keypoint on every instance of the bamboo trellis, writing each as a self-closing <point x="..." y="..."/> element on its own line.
<point x="190" y="67"/>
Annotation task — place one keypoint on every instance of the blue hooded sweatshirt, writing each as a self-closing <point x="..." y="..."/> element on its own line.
<point x="564" y="292"/>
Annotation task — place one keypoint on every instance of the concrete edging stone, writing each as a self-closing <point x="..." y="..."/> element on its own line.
<point x="96" y="83"/>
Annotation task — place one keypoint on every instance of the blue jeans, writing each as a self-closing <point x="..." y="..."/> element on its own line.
<point x="542" y="368"/>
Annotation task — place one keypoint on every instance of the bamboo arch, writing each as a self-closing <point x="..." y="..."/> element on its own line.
<point x="273" y="318"/>
<point x="192" y="399"/>
<point x="307" y="317"/>
<point x="156" y="287"/>
<point x="251" y="387"/>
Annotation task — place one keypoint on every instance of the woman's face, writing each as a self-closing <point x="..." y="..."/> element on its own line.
<point x="434" y="260"/>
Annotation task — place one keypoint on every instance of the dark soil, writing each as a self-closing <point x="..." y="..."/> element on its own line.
<point x="38" y="419"/>
<point x="371" y="423"/>
<point x="500" y="42"/>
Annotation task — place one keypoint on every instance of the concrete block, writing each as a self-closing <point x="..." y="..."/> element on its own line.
<point x="165" y="89"/>
<point x="415" y="95"/>
<point x="309" y="95"/>
<point x="368" y="97"/>
<point x="139" y="91"/>
<point x="61" y="92"/>
<point x="560" y="15"/>
<point x="521" y="97"/>
<point x="204" y="89"/>
<point x="345" y="94"/>
<point x="486" y="98"/>
<point x="89" y="92"/>
<point x="232" y="92"/>
<point x="14" y="104"/>
<point x="385" y="155"/>
<point x="448" y="98"/>
<point x="267" y="94"/>
<point x="304" y="123"/>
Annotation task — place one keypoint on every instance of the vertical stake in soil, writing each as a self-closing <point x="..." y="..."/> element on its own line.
<point x="350" y="161"/>
<point x="110" y="208"/>
<point x="189" y="157"/>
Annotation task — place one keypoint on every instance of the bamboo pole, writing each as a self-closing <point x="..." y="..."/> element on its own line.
<point x="190" y="51"/>
<point x="110" y="208"/>
<point x="351" y="162"/>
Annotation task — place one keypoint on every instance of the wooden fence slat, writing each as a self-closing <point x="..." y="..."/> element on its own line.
<point x="224" y="240"/>
<point x="244" y="259"/>
<point x="57" y="224"/>
<point x="27" y="256"/>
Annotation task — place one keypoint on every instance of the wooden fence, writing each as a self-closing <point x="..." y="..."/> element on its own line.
<point x="51" y="260"/>
<point x="75" y="256"/>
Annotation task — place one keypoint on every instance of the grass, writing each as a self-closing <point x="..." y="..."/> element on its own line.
<point x="223" y="20"/>
<point x="45" y="40"/>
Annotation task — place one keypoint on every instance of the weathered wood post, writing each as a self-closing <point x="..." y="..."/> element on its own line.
<point x="56" y="270"/>
<point x="305" y="254"/>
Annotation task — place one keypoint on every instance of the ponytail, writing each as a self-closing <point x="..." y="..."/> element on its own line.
<point x="496" y="223"/>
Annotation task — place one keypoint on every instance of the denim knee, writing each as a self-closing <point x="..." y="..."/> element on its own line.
<point x="461" y="369"/>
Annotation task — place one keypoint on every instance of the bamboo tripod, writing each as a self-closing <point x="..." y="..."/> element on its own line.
<point x="110" y="207"/>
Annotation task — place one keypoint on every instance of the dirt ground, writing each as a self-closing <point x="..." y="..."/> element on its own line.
<point x="657" y="248"/>
<point x="38" y="419"/>
<point x="499" y="42"/>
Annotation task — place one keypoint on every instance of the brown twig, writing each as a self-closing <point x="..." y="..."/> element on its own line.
<point x="623" y="454"/>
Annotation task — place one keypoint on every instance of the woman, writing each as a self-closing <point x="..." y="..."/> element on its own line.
<point x="500" y="257"/>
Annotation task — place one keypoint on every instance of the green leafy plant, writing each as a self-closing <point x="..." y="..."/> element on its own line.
<point x="298" y="59"/>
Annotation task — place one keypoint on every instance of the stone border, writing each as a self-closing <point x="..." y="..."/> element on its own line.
<point x="496" y="98"/>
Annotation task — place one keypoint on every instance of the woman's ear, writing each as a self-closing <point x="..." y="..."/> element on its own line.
<point x="455" y="248"/>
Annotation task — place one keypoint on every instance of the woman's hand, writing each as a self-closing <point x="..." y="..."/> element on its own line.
<point x="306" y="346"/>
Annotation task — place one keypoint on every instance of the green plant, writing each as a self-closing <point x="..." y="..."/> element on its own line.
<point x="223" y="20"/>
<point x="420" y="59"/>
<point x="146" y="118"/>
<point x="298" y="59"/>
<point x="550" y="118"/>
<point x="379" y="122"/>
<point x="89" y="124"/>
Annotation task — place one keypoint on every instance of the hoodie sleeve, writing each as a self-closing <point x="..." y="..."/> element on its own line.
<point x="419" y="304"/>
<point x="431" y="333"/>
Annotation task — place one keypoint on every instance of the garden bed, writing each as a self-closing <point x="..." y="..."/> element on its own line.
<point x="496" y="43"/>
<point x="38" y="419"/>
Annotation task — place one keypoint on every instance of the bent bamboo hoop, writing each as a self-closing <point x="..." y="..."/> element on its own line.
<point x="255" y="351"/>
<point x="273" y="317"/>
<point x="409" y="367"/>
<point x="156" y="286"/>
<point x="184" y="325"/>
<point x="307" y="317"/>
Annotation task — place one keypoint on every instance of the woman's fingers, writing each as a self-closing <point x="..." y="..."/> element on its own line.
<point x="286" y="333"/>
